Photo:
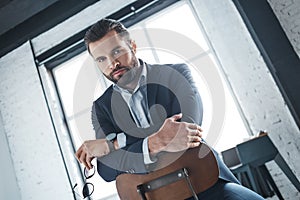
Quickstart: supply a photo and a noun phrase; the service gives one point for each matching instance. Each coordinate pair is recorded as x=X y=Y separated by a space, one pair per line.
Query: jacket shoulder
x=106 y=96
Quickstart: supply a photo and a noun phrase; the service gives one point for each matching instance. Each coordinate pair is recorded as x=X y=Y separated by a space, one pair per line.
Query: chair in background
x=248 y=176
x=231 y=159
x=247 y=161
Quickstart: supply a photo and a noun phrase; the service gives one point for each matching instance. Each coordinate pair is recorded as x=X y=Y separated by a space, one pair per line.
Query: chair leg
x=287 y=170
x=263 y=182
x=239 y=176
x=269 y=178
x=252 y=178
x=245 y=180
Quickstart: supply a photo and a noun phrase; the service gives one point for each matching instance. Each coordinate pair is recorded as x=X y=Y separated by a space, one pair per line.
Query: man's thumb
x=176 y=117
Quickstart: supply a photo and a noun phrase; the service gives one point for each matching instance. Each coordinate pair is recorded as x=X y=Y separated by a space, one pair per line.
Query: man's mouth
x=119 y=72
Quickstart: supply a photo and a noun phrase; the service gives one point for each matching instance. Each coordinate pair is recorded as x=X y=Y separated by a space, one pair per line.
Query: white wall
x=252 y=83
x=33 y=146
x=9 y=188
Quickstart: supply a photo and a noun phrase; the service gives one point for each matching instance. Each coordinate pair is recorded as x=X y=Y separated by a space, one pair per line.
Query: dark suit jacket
x=170 y=90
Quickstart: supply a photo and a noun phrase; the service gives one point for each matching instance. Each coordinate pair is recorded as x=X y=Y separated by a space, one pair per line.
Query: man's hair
x=101 y=28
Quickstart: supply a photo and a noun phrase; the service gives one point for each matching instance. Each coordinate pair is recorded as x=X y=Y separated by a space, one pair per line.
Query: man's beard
x=127 y=77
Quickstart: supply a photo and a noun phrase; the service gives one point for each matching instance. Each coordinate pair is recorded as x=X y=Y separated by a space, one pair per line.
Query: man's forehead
x=107 y=43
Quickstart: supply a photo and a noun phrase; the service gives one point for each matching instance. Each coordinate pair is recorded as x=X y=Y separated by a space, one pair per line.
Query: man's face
x=115 y=57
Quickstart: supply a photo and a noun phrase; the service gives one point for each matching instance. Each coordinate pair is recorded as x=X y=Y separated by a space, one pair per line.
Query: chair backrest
x=256 y=149
x=200 y=163
x=230 y=157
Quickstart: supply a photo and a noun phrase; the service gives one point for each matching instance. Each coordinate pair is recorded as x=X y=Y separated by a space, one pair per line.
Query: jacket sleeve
x=128 y=159
x=181 y=83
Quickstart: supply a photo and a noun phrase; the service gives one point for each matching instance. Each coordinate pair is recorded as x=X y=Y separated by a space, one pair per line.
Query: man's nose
x=115 y=63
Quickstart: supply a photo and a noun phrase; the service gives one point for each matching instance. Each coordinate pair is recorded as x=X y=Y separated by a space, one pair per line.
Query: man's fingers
x=89 y=162
x=194 y=138
x=195 y=132
x=193 y=144
x=195 y=126
x=83 y=159
x=199 y=128
x=78 y=154
x=176 y=117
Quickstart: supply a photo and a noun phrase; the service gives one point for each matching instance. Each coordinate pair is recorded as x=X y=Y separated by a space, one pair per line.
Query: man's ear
x=133 y=46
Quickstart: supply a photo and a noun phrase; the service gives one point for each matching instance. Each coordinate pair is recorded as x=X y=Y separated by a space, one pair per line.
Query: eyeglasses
x=88 y=188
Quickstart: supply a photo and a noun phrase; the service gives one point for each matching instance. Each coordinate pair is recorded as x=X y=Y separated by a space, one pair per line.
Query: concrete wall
x=252 y=83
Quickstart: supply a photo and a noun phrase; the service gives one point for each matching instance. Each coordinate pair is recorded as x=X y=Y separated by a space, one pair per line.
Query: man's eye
x=117 y=51
x=101 y=59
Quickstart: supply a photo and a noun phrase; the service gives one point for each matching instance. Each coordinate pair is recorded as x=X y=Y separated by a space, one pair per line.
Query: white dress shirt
x=137 y=102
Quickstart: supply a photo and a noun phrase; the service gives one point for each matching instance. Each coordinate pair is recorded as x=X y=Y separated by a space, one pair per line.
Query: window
x=80 y=82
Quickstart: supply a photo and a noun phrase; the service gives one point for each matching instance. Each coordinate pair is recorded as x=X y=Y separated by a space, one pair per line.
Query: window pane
x=79 y=83
x=179 y=18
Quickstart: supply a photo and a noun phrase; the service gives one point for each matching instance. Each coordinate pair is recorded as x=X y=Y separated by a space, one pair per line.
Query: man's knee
x=233 y=191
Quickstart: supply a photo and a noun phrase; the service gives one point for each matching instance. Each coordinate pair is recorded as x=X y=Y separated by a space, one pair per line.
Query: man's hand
x=91 y=149
x=175 y=136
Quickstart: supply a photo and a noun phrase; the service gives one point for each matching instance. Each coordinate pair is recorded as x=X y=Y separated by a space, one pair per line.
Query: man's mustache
x=119 y=68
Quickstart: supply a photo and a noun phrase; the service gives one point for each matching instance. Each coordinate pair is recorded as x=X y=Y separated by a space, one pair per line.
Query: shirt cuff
x=147 y=158
x=121 y=138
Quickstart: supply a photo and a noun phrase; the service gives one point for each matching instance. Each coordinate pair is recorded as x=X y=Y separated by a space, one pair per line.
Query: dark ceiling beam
x=41 y=22
x=4 y=3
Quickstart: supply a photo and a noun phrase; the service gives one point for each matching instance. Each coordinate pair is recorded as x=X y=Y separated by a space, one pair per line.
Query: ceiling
x=24 y=19
x=14 y=12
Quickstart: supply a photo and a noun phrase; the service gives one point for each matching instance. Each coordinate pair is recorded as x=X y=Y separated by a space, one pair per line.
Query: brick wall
x=288 y=14
x=36 y=168
x=253 y=85
x=36 y=158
